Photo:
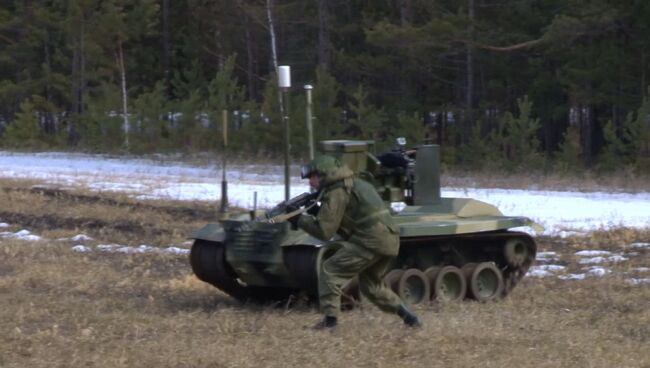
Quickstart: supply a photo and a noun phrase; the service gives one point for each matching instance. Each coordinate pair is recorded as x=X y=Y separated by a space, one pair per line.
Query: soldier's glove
x=313 y=210
x=294 y=222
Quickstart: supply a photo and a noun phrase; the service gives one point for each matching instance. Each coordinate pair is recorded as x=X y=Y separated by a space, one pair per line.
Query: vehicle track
x=48 y=222
x=63 y=195
x=103 y=217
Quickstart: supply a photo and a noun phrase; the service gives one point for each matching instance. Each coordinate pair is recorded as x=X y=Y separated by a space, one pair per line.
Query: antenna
x=308 y=118
x=284 y=83
x=223 y=210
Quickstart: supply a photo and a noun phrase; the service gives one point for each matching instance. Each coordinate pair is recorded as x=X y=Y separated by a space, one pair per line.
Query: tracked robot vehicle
x=450 y=248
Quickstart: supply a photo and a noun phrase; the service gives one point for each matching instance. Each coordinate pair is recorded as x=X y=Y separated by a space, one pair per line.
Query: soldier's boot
x=327 y=323
x=409 y=318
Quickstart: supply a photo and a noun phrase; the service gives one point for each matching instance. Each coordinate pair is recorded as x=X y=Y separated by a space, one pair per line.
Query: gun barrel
x=297 y=201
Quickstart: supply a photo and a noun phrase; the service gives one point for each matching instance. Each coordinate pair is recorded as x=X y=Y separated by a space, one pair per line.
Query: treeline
x=555 y=84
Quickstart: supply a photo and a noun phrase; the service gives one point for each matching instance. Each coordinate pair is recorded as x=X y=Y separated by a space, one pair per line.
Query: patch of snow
x=637 y=281
x=544 y=270
x=176 y=250
x=593 y=271
x=592 y=253
x=617 y=258
x=592 y=260
x=614 y=258
x=77 y=238
x=539 y=273
x=116 y=187
x=573 y=276
x=641 y=269
x=4 y=224
x=107 y=247
x=22 y=232
x=546 y=256
x=81 y=249
x=565 y=234
x=141 y=249
x=639 y=245
x=30 y=237
x=20 y=235
x=598 y=271
x=81 y=237
x=553 y=268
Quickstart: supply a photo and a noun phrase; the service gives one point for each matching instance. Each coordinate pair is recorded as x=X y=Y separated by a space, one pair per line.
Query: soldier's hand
x=294 y=222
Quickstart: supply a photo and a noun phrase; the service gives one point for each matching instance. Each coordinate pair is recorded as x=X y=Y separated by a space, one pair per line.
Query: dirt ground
x=61 y=308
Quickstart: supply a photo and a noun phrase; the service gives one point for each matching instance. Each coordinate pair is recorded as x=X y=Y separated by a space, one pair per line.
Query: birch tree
x=125 y=22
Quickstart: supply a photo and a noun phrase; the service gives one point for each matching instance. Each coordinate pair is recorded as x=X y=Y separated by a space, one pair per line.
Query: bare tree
x=166 y=38
x=405 y=11
x=250 y=58
x=78 y=74
x=323 y=34
x=469 y=74
x=269 y=16
x=125 y=112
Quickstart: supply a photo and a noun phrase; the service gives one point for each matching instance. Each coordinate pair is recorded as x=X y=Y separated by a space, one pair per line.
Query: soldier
x=352 y=208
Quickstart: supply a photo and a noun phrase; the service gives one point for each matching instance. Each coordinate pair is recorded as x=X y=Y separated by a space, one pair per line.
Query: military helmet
x=321 y=165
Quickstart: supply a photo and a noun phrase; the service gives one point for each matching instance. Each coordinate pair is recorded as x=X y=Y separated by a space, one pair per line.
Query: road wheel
x=413 y=287
x=392 y=279
x=516 y=251
x=468 y=269
x=485 y=282
x=448 y=284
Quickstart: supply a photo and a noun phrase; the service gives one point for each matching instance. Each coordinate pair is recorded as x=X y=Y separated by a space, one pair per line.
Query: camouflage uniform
x=351 y=208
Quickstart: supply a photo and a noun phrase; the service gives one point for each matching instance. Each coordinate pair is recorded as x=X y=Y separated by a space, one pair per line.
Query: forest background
x=555 y=85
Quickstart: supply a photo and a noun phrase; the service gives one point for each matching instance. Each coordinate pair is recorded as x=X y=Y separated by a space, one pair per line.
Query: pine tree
x=327 y=116
x=151 y=127
x=24 y=132
x=411 y=128
x=520 y=143
x=367 y=120
x=635 y=137
x=271 y=126
x=100 y=127
x=568 y=157
x=224 y=93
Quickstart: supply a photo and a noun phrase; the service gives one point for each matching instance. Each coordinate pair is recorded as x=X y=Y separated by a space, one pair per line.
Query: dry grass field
x=60 y=308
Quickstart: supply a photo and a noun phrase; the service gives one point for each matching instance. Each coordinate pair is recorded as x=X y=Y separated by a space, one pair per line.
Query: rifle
x=291 y=207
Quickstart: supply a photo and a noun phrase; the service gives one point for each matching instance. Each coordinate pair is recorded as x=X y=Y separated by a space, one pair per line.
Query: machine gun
x=291 y=207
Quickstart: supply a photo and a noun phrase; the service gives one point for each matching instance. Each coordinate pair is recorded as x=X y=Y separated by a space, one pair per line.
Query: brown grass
x=54 y=213
x=65 y=309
